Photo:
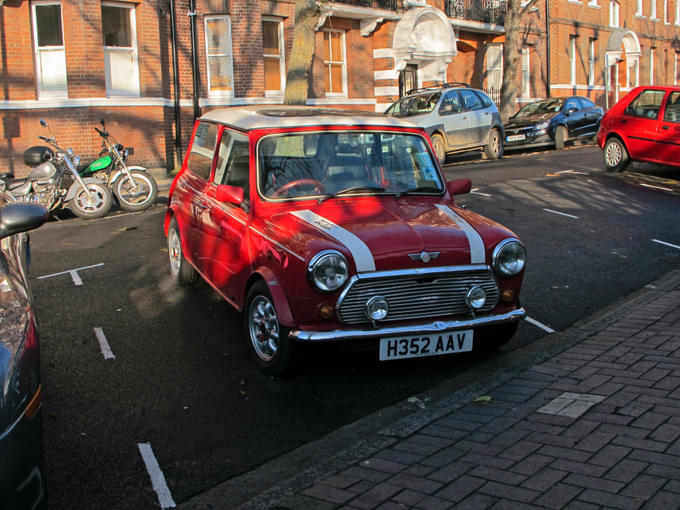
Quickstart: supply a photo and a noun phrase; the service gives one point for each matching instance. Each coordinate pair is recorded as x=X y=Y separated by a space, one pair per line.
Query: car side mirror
x=459 y=186
x=570 y=111
x=17 y=217
x=229 y=194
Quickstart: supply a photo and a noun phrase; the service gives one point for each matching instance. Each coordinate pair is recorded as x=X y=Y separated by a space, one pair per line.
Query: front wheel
x=560 y=137
x=272 y=349
x=136 y=192
x=494 y=147
x=93 y=205
x=615 y=155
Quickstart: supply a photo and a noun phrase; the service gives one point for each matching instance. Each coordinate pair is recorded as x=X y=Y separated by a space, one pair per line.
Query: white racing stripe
x=477 y=251
x=363 y=258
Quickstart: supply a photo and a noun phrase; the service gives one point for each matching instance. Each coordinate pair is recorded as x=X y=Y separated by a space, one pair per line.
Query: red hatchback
x=325 y=225
x=643 y=126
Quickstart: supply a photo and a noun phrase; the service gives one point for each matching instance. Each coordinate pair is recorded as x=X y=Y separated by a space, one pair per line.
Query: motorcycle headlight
x=328 y=270
x=509 y=257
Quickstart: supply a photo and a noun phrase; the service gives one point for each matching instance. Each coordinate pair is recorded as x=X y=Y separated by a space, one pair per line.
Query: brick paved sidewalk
x=595 y=426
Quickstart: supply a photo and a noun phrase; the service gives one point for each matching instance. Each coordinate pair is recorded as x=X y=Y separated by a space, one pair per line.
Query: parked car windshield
x=338 y=162
x=414 y=105
x=541 y=108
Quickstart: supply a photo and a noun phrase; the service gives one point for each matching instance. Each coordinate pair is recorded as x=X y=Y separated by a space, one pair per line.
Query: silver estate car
x=457 y=118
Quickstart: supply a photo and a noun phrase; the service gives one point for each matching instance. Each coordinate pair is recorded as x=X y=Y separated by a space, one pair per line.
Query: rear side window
x=586 y=103
x=471 y=100
x=486 y=102
x=672 y=113
x=202 y=150
x=646 y=105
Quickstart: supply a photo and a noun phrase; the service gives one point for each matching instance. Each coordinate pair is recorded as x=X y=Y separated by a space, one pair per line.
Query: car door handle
x=624 y=121
x=665 y=127
x=203 y=205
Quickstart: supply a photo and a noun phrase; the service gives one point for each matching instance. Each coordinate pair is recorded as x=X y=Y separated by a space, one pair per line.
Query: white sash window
x=48 y=44
x=120 y=49
x=219 y=56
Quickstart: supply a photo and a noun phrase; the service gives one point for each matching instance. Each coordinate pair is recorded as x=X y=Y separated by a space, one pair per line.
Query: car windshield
x=541 y=108
x=414 y=105
x=332 y=163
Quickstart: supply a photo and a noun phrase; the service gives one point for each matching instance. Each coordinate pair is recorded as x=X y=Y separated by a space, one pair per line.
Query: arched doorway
x=622 y=64
x=423 y=45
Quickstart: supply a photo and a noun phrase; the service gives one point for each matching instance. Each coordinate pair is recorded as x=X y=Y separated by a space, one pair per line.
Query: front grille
x=417 y=295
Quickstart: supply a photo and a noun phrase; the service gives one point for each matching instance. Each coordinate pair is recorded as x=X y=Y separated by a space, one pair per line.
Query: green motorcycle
x=134 y=187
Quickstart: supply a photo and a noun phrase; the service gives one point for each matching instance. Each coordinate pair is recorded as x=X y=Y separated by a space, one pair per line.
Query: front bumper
x=415 y=329
x=530 y=140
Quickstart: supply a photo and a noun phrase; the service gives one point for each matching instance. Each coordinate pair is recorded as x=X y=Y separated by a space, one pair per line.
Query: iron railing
x=374 y=4
x=487 y=11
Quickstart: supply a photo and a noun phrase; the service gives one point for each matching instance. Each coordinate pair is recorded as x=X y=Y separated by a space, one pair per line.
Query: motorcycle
x=134 y=188
x=54 y=181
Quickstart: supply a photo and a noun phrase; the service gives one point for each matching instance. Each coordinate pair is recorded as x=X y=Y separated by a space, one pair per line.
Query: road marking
x=157 y=478
x=104 y=344
x=656 y=187
x=561 y=213
x=666 y=244
x=74 y=274
x=573 y=172
x=477 y=192
x=539 y=325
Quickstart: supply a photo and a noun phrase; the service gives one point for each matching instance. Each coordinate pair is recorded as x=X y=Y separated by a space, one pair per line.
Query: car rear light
x=34 y=405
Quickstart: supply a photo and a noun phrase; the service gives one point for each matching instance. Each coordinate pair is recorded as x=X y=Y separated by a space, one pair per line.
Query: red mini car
x=643 y=126
x=332 y=225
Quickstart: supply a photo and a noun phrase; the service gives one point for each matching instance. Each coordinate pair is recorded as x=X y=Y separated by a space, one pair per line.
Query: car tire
x=439 y=147
x=494 y=147
x=180 y=268
x=491 y=338
x=614 y=155
x=268 y=341
x=560 y=137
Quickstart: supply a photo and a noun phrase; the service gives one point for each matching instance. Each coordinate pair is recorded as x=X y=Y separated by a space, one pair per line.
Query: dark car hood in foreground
x=382 y=233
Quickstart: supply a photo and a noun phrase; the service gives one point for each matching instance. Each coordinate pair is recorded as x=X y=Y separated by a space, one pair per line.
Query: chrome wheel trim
x=174 y=251
x=127 y=192
x=93 y=203
x=613 y=154
x=495 y=142
x=263 y=326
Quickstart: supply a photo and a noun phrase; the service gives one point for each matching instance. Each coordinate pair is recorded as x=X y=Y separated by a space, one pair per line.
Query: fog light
x=475 y=297
x=326 y=311
x=508 y=296
x=377 y=308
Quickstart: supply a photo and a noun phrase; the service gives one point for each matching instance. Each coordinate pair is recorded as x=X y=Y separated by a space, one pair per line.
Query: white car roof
x=265 y=117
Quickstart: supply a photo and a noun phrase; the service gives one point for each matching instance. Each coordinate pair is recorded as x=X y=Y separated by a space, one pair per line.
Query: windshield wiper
x=419 y=189
x=351 y=189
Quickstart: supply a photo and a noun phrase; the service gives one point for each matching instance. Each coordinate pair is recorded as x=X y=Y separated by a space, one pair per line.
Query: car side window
x=572 y=104
x=471 y=100
x=233 y=162
x=672 y=113
x=646 y=105
x=450 y=103
x=202 y=150
x=586 y=103
x=486 y=101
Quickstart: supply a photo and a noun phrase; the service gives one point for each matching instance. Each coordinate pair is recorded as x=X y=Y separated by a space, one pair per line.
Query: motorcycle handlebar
x=103 y=134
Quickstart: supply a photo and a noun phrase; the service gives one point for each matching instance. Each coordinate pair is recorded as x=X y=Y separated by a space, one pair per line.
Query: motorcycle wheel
x=98 y=204
x=141 y=198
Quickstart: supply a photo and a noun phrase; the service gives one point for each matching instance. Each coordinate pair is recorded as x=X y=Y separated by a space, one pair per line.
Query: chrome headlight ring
x=509 y=258
x=328 y=270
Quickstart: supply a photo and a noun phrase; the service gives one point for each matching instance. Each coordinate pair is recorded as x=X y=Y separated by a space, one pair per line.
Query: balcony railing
x=487 y=11
x=374 y=4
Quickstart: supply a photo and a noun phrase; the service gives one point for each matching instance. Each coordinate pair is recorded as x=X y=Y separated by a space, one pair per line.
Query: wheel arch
x=283 y=309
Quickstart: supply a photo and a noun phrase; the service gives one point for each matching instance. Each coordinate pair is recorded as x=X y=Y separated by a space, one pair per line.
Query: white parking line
x=103 y=344
x=477 y=192
x=157 y=477
x=561 y=213
x=656 y=187
x=666 y=244
x=539 y=325
x=74 y=274
x=574 y=172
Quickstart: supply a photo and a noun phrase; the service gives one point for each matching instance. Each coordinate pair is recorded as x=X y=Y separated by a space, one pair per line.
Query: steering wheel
x=318 y=186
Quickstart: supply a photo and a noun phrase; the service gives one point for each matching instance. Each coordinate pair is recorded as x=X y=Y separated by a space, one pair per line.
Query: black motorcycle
x=54 y=182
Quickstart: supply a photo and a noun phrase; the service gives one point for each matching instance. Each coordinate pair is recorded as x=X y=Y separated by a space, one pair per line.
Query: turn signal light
x=508 y=296
x=326 y=311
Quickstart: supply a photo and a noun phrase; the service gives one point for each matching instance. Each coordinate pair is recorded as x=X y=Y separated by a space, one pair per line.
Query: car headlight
x=509 y=257
x=328 y=270
x=543 y=125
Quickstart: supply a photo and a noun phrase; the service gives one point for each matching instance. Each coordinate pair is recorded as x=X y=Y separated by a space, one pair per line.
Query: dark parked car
x=553 y=122
x=22 y=473
x=643 y=126
x=457 y=117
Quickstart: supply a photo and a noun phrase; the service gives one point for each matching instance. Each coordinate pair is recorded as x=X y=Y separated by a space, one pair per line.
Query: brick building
x=73 y=63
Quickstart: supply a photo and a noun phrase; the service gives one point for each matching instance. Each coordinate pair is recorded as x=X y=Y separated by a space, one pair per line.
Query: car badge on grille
x=424 y=256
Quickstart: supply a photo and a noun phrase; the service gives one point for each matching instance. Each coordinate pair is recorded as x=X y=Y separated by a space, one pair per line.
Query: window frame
x=614 y=13
x=572 y=59
x=329 y=63
x=60 y=92
x=526 y=71
x=591 y=61
x=230 y=54
x=135 y=90
x=281 y=57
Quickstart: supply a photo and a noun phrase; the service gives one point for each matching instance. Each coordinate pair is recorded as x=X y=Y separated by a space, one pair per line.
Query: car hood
x=388 y=233
x=530 y=120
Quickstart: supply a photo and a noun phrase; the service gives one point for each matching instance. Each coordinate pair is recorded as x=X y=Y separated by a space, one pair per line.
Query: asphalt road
x=177 y=379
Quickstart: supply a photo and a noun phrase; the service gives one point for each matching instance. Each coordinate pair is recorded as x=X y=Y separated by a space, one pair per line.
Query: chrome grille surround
x=417 y=293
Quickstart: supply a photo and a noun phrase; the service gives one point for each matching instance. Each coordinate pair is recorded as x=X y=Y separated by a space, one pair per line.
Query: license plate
x=402 y=347
x=515 y=138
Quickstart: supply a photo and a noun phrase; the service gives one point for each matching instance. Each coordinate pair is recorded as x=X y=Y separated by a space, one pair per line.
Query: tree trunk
x=302 y=54
x=511 y=55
